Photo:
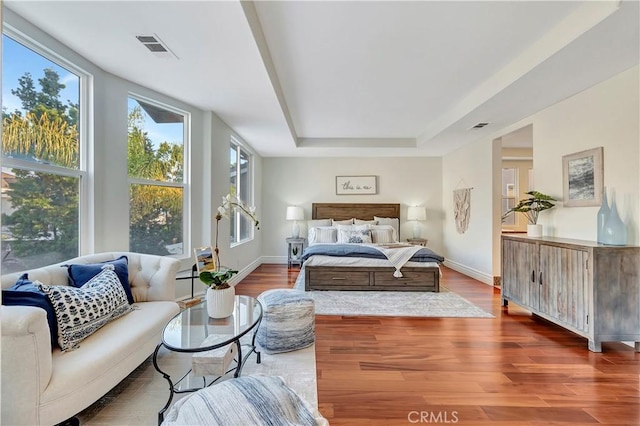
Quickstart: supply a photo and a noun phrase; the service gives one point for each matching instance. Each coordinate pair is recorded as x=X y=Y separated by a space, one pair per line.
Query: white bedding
x=361 y=261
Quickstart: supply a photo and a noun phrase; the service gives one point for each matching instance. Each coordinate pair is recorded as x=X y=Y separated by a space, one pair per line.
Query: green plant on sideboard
x=532 y=206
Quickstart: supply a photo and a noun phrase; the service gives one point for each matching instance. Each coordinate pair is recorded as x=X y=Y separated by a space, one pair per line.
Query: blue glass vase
x=603 y=214
x=614 y=230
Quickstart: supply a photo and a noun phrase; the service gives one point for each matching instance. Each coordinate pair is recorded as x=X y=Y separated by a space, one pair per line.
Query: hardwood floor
x=512 y=370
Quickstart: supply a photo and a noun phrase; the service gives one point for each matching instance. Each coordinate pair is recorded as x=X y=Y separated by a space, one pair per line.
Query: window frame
x=185 y=185
x=240 y=147
x=84 y=172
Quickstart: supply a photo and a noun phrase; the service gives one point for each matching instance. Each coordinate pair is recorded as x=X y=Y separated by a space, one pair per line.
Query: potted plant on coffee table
x=220 y=296
x=531 y=208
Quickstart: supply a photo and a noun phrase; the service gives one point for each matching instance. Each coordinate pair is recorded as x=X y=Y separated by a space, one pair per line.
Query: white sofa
x=41 y=387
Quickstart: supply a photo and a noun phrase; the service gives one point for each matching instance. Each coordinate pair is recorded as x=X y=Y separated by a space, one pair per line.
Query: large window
x=240 y=181
x=158 y=191
x=42 y=156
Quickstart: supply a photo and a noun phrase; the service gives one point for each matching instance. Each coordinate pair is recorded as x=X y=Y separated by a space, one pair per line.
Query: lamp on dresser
x=416 y=214
x=295 y=214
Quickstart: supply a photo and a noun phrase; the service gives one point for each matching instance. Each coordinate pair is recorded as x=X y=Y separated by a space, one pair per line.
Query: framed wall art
x=583 y=178
x=347 y=185
x=204 y=259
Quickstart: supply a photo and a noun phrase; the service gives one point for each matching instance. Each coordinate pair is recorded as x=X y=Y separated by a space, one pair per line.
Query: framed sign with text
x=357 y=185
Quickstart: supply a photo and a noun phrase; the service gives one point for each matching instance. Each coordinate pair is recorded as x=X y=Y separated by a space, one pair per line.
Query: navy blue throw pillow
x=26 y=293
x=80 y=274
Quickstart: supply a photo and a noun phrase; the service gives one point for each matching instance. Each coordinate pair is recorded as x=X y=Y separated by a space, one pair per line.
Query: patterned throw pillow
x=80 y=274
x=82 y=311
x=360 y=236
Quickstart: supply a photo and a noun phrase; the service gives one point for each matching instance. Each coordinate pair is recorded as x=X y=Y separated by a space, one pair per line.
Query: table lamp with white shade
x=295 y=214
x=416 y=214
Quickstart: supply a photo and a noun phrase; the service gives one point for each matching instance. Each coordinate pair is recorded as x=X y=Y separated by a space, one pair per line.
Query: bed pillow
x=364 y=222
x=341 y=222
x=352 y=227
x=391 y=221
x=80 y=274
x=82 y=311
x=26 y=293
x=323 y=235
x=381 y=231
x=318 y=222
x=360 y=236
x=382 y=235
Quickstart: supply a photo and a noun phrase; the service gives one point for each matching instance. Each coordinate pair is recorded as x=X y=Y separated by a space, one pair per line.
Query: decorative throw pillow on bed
x=382 y=235
x=360 y=236
x=394 y=231
x=392 y=221
x=323 y=235
x=82 y=311
x=80 y=274
x=26 y=293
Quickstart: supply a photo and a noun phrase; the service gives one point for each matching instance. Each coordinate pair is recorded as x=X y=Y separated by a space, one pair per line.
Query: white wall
x=246 y=254
x=303 y=181
x=605 y=115
x=472 y=166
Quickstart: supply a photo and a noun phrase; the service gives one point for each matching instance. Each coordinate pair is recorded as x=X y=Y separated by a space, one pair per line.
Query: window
x=509 y=192
x=157 y=183
x=240 y=185
x=43 y=170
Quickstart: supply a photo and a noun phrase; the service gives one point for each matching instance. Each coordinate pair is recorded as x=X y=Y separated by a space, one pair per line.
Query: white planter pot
x=220 y=303
x=534 y=230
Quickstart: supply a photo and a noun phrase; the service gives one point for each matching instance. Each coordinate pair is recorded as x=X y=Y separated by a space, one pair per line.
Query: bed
x=371 y=272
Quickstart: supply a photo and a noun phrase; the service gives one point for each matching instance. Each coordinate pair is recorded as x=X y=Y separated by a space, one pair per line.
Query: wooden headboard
x=363 y=211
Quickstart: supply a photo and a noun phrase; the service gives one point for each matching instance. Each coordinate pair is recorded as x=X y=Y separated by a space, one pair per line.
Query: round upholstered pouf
x=288 y=320
x=254 y=401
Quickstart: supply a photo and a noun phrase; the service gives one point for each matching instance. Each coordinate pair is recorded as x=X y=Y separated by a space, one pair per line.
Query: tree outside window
x=240 y=185
x=41 y=170
x=156 y=175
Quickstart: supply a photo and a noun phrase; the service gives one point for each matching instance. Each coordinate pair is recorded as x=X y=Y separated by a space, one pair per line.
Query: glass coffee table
x=192 y=330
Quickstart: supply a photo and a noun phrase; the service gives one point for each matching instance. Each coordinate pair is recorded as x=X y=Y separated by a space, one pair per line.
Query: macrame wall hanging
x=462 y=208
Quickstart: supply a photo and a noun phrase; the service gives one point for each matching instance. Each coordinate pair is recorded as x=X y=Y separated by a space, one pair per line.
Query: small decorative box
x=214 y=362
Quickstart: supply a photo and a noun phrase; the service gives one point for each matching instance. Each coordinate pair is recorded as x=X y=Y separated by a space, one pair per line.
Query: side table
x=295 y=246
x=418 y=241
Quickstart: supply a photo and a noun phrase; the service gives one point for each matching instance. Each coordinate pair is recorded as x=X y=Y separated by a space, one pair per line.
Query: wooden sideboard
x=588 y=288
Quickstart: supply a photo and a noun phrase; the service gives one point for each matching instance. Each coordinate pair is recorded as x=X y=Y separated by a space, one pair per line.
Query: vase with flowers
x=220 y=295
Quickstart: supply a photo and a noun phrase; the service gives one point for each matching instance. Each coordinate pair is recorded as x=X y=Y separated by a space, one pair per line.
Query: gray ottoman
x=288 y=320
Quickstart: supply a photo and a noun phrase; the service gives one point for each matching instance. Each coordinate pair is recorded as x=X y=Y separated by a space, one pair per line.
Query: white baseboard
x=470 y=272
x=244 y=272
x=279 y=260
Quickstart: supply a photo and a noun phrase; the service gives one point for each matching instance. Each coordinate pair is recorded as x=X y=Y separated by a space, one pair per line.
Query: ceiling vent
x=156 y=46
x=480 y=125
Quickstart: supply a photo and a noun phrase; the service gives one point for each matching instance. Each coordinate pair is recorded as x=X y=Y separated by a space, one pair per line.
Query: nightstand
x=418 y=241
x=294 y=251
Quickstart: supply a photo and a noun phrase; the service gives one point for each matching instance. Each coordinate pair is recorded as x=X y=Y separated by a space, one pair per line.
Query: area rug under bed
x=392 y=303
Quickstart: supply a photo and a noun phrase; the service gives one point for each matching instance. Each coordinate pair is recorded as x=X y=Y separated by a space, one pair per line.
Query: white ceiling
x=387 y=78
